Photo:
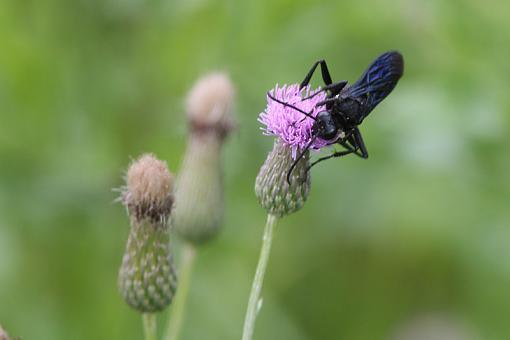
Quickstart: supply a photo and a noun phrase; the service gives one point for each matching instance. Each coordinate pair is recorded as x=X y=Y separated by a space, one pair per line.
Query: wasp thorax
x=350 y=110
x=325 y=126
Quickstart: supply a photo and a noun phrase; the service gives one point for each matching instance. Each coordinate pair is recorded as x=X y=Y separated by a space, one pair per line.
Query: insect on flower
x=345 y=107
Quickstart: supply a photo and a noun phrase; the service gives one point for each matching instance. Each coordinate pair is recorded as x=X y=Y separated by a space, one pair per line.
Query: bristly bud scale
x=147 y=280
x=271 y=187
x=199 y=194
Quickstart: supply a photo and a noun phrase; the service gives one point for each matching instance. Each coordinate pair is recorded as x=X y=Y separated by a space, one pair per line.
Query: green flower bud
x=200 y=204
x=199 y=194
x=271 y=187
x=147 y=279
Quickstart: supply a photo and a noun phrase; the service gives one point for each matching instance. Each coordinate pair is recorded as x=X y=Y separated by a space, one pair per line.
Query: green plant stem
x=149 y=326
x=255 y=302
x=177 y=312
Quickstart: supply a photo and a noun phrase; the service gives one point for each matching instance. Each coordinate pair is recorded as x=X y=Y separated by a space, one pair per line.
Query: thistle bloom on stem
x=293 y=131
x=199 y=211
x=147 y=280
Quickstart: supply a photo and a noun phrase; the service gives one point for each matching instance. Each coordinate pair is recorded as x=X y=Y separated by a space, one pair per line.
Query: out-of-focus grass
x=421 y=227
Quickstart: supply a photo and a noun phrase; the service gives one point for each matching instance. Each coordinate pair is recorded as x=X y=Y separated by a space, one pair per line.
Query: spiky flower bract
x=274 y=193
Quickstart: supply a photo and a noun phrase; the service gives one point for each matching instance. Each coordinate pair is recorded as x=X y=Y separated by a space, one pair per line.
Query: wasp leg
x=334 y=89
x=349 y=150
x=326 y=102
x=357 y=142
x=353 y=144
x=336 y=154
x=298 y=158
x=324 y=70
x=308 y=114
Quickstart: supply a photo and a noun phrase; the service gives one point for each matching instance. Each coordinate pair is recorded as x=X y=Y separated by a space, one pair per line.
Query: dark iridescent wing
x=378 y=80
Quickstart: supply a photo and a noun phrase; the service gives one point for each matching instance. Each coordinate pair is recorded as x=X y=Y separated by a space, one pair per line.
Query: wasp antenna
x=290 y=105
x=298 y=158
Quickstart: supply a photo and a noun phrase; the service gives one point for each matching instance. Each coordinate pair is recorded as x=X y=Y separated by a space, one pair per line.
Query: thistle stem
x=177 y=312
x=255 y=302
x=149 y=326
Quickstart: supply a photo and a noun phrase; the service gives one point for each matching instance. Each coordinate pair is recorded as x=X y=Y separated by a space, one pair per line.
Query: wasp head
x=325 y=127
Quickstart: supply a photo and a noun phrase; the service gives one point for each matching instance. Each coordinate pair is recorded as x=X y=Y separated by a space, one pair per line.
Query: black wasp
x=347 y=106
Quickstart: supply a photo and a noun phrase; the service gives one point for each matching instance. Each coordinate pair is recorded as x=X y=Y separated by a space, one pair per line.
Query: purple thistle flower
x=290 y=125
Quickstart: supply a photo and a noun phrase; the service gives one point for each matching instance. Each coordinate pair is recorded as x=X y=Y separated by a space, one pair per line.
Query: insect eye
x=330 y=131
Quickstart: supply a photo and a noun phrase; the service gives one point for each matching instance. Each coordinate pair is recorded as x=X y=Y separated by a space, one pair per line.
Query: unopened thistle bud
x=147 y=280
x=294 y=132
x=199 y=194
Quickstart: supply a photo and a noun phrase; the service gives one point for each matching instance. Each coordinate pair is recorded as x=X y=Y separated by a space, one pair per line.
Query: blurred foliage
x=420 y=227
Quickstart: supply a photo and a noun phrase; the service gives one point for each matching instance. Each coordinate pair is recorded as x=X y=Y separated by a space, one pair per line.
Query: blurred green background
x=421 y=228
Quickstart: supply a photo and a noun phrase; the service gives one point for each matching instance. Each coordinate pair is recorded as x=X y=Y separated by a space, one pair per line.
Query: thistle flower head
x=149 y=188
x=147 y=280
x=291 y=126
